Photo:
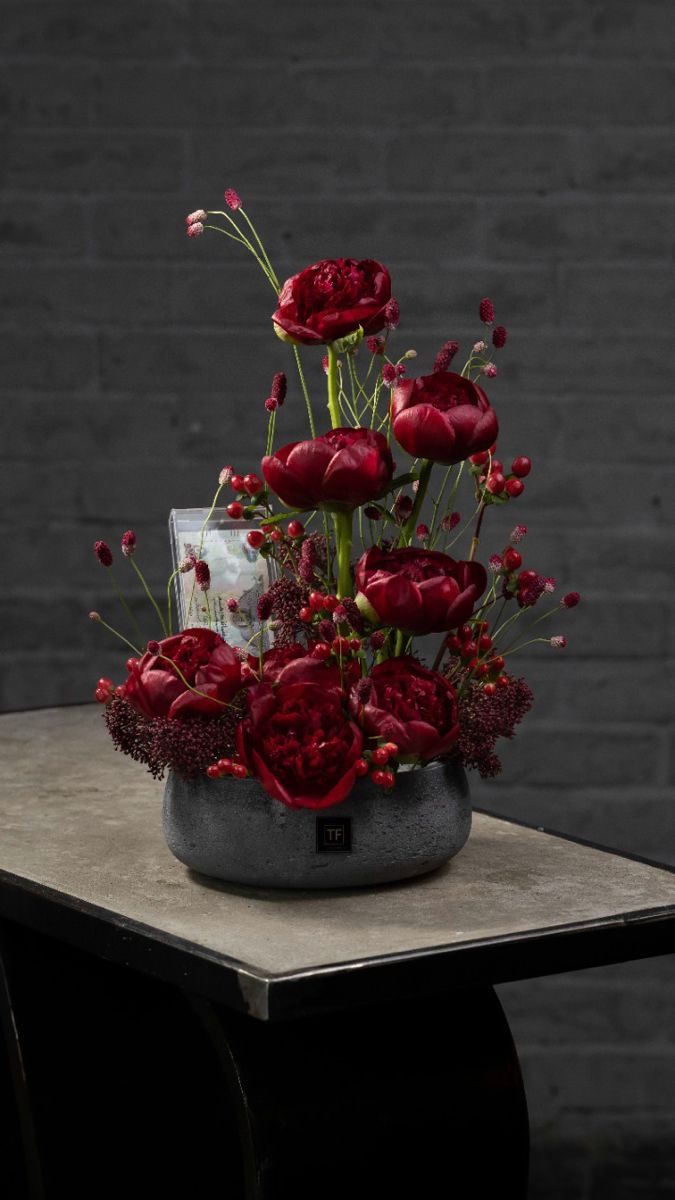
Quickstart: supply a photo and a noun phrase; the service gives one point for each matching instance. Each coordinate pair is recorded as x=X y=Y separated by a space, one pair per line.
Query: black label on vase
x=333 y=834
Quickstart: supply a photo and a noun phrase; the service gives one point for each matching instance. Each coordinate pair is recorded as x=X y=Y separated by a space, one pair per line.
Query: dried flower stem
x=119 y=635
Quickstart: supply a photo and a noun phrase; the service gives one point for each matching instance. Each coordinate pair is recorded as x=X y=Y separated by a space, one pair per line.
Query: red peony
x=287 y=664
x=203 y=658
x=408 y=705
x=419 y=591
x=331 y=299
x=443 y=417
x=299 y=743
x=338 y=471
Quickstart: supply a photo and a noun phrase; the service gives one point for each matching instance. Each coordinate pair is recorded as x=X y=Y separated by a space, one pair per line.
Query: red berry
x=237 y=483
x=120 y=691
x=479 y=460
x=453 y=642
x=296 y=529
x=255 y=538
x=316 y=600
x=361 y=766
x=485 y=641
x=389 y=780
x=341 y=646
x=276 y=535
x=380 y=756
x=526 y=577
x=330 y=603
x=322 y=650
x=235 y=510
x=466 y=631
x=253 y=484
x=239 y=771
x=496 y=466
x=472 y=664
x=469 y=649
x=131 y=663
x=225 y=766
x=480 y=626
x=105 y=683
x=493 y=448
x=482 y=670
x=521 y=466
x=378 y=778
x=514 y=487
x=102 y=695
x=305 y=614
x=496 y=483
x=512 y=559
x=213 y=771
x=490 y=689
x=355 y=644
x=392 y=748
x=503 y=681
x=496 y=664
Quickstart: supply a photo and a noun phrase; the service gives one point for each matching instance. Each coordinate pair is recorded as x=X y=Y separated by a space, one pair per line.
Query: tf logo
x=333 y=834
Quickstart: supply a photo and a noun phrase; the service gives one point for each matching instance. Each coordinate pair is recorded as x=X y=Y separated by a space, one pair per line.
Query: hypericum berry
x=379 y=778
x=131 y=663
x=106 y=683
x=388 y=780
x=102 y=695
x=496 y=483
x=341 y=646
x=496 y=663
x=490 y=689
x=512 y=559
x=276 y=535
x=235 y=510
x=213 y=771
x=469 y=649
x=479 y=460
x=487 y=311
x=237 y=483
x=496 y=465
x=355 y=644
x=372 y=513
x=330 y=603
x=392 y=748
x=225 y=766
x=485 y=641
x=316 y=600
x=503 y=681
x=527 y=577
x=233 y=604
x=481 y=671
x=514 y=487
x=255 y=538
x=321 y=651
x=232 y=199
x=253 y=484
x=120 y=691
x=103 y=553
x=361 y=766
x=499 y=336
x=239 y=771
x=521 y=466
x=380 y=756
x=305 y=614
x=454 y=643
x=296 y=529
x=466 y=632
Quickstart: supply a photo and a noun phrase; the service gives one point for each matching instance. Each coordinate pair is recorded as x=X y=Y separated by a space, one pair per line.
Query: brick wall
x=520 y=150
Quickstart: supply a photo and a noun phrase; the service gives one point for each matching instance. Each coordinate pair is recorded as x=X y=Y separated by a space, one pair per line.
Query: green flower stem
x=303 y=385
x=398 y=648
x=169 y=618
x=411 y=524
x=149 y=594
x=263 y=251
x=100 y=621
x=343 y=531
x=174 y=666
x=125 y=606
x=333 y=402
x=476 y=536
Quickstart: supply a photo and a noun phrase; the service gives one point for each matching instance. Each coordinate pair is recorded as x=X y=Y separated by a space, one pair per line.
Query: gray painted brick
x=492 y=162
x=84 y=161
x=33 y=225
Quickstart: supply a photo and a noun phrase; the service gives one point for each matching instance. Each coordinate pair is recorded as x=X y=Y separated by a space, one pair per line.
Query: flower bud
x=232 y=199
x=128 y=543
x=487 y=311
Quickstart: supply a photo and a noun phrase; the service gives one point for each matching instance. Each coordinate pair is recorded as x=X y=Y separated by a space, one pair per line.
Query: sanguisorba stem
x=333 y=402
x=343 y=531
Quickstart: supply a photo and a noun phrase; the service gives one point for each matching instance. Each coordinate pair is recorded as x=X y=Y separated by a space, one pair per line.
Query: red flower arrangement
x=342 y=693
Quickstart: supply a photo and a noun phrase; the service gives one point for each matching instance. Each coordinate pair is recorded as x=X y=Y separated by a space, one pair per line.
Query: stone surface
x=232 y=830
x=81 y=819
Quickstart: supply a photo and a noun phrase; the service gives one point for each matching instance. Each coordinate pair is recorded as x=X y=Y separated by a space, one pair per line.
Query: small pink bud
x=153 y=647
x=422 y=532
x=128 y=543
x=187 y=564
x=375 y=345
x=479 y=347
x=489 y=370
x=549 y=584
x=389 y=375
x=195 y=230
x=94 y=616
x=103 y=553
x=232 y=199
x=233 y=604
x=558 y=642
x=570 y=600
x=410 y=354
x=225 y=476
x=495 y=562
x=324 y=363
x=199 y=214
x=271 y=404
x=392 y=313
x=487 y=311
x=517 y=534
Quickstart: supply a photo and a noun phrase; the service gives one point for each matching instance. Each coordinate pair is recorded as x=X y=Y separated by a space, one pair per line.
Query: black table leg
x=134 y=1088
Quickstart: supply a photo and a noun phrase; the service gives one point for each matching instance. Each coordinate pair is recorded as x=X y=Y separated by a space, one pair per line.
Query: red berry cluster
x=321 y=611
x=473 y=646
x=106 y=691
x=496 y=483
x=247 y=489
x=377 y=763
x=226 y=766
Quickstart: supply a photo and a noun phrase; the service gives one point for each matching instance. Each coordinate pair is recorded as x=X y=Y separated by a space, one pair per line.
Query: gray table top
x=80 y=834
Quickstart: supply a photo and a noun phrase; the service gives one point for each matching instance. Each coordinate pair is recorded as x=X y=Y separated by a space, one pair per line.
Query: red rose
x=338 y=471
x=408 y=705
x=443 y=417
x=419 y=591
x=204 y=659
x=298 y=742
x=331 y=299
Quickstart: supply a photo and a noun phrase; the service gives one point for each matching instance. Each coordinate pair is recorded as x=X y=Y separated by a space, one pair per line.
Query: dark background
x=522 y=151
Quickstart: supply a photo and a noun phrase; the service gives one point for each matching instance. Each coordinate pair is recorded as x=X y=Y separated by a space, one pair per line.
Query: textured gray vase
x=232 y=830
